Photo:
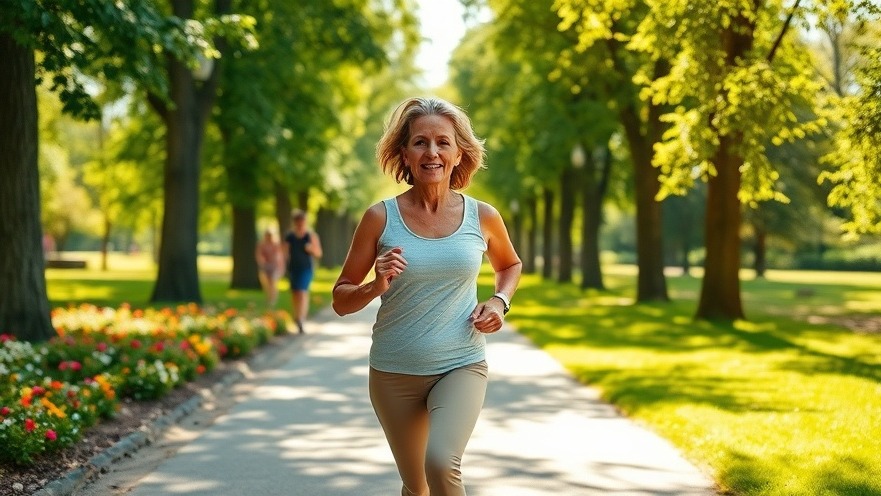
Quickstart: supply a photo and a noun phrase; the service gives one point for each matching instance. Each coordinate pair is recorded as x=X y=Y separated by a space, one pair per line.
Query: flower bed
x=51 y=392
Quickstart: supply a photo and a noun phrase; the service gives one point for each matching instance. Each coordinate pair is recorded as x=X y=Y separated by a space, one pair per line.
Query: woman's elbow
x=338 y=309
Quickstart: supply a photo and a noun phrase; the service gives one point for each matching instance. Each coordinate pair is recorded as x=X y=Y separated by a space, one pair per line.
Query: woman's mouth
x=432 y=166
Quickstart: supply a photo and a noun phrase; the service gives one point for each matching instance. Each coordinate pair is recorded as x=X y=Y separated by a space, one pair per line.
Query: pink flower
x=51 y=435
x=75 y=366
x=62 y=366
x=37 y=390
x=102 y=347
x=29 y=425
x=6 y=337
x=4 y=411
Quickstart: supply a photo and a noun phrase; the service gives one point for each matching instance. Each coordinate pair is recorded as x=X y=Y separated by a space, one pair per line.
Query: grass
x=776 y=405
x=130 y=279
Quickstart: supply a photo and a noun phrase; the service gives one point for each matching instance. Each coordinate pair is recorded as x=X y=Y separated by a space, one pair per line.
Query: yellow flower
x=54 y=410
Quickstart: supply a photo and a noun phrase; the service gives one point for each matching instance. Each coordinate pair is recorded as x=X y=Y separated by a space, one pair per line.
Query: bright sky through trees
x=442 y=27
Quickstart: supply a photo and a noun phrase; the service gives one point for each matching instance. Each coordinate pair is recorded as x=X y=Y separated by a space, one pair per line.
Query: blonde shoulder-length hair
x=389 y=150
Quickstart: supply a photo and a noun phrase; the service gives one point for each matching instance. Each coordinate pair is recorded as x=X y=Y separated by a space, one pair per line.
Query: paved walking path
x=309 y=429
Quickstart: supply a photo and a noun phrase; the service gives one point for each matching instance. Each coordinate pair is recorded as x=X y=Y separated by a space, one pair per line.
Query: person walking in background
x=428 y=373
x=301 y=247
x=270 y=260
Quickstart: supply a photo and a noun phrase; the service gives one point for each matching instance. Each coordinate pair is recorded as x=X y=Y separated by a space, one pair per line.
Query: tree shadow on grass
x=842 y=476
x=634 y=389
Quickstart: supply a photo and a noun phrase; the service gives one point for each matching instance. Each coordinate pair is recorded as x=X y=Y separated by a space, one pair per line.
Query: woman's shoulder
x=485 y=210
x=374 y=217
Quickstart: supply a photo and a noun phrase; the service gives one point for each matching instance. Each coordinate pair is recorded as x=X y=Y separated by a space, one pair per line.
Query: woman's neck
x=432 y=198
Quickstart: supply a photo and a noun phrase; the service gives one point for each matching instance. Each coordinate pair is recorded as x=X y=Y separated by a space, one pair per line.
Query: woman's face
x=431 y=151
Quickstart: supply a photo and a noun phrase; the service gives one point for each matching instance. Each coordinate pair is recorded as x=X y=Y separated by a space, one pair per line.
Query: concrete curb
x=76 y=479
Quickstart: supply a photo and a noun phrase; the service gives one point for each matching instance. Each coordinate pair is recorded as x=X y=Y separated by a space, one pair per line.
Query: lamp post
x=204 y=68
x=577 y=156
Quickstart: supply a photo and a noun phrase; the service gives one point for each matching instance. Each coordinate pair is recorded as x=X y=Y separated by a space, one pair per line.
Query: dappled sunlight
x=309 y=428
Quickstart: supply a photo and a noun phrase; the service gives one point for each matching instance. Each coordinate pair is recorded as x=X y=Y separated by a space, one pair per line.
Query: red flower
x=159 y=346
x=75 y=366
x=29 y=425
x=62 y=366
x=6 y=337
x=102 y=347
x=51 y=435
x=135 y=344
x=4 y=411
x=37 y=390
x=57 y=385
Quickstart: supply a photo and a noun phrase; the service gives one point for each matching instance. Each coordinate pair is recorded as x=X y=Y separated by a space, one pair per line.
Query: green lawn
x=130 y=280
x=787 y=403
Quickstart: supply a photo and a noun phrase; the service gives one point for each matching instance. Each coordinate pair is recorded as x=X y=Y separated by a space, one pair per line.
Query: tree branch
x=779 y=40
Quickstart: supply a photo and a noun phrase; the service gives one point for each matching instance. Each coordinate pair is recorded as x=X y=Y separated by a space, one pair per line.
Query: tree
x=190 y=105
x=74 y=38
x=733 y=88
x=282 y=130
x=601 y=31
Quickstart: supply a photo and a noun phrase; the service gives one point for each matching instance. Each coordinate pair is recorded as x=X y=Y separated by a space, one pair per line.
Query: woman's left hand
x=488 y=317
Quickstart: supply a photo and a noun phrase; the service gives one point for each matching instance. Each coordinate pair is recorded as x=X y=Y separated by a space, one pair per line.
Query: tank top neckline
x=457 y=231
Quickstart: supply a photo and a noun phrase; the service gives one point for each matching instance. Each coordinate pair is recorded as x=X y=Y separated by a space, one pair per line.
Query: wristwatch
x=505 y=300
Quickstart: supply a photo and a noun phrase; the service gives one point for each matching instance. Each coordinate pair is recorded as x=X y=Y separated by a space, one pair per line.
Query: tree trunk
x=24 y=305
x=516 y=229
x=568 y=190
x=105 y=241
x=244 y=244
x=283 y=207
x=720 y=289
x=303 y=200
x=592 y=196
x=547 y=266
x=529 y=266
x=178 y=275
x=651 y=283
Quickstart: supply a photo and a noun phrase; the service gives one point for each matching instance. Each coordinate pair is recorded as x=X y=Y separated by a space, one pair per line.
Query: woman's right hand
x=388 y=266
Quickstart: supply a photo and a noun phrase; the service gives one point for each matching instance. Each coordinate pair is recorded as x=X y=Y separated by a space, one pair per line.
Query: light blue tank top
x=423 y=325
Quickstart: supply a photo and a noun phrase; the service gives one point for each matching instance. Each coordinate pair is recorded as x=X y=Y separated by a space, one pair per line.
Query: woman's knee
x=443 y=470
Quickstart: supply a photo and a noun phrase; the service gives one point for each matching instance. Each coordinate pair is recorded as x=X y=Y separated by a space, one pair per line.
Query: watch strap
x=505 y=300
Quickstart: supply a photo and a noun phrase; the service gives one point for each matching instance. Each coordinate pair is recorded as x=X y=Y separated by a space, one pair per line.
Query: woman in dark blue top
x=301 y=246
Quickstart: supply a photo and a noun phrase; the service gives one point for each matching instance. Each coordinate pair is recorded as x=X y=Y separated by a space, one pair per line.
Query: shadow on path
x=309 y=429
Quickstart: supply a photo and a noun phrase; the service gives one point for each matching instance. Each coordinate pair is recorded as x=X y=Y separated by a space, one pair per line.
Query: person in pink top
x=270 y=260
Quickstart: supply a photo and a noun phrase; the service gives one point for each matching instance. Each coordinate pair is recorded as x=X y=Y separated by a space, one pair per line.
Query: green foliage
x=711 y=97
x=856 y=178
x=280 y=124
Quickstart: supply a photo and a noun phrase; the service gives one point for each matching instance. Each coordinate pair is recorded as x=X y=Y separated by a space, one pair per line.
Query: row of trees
x=725 y=96
x=258 y=91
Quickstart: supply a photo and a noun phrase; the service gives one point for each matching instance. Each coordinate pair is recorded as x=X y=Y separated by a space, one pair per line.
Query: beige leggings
x=427 y=421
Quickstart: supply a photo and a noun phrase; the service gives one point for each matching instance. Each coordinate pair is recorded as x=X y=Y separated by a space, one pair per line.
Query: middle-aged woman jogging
x=428 y=372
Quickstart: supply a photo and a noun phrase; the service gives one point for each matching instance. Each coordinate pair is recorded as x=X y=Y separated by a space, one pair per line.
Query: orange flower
x=53 y=409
